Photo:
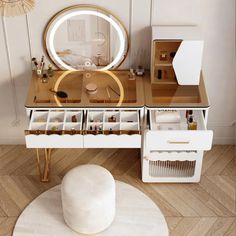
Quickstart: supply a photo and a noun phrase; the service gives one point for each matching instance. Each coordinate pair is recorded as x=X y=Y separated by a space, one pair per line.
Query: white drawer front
x=54 y=141
x=179 y=140
x=112 y=141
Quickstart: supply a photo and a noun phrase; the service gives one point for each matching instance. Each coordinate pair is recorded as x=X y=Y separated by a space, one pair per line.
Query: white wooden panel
x=179 y=140
x=140 y=33
x=188 y=32
x=181 y=12
x=7 y=112
x=45 y=9
x=54 y=141
x=187 y=62
x=112 y=141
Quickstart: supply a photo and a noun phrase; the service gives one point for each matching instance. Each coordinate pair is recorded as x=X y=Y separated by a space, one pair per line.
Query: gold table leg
x=44 y=172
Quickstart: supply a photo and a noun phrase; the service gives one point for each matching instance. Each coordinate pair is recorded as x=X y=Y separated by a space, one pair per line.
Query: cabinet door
x=187 y=62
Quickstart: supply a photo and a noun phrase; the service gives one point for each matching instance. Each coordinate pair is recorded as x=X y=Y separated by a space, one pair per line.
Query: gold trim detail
x=112 y=75
x=44 y=172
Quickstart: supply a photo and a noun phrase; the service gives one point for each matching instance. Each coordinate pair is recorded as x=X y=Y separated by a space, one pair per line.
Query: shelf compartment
x=37 y=126
x=70 y=114
x=72 y=126
x=95 y=116
x=165 y=50
x=39 y=116
x=129 y=116
x=109 y=114
x=182 y=125
x=56 y=116
x=164 y=75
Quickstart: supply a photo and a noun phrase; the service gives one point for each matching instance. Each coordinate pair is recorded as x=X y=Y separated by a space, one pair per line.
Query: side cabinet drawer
x=176 y=136
x=179 y=140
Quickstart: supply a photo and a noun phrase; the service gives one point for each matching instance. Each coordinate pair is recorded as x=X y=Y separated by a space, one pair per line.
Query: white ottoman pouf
x=88 y=199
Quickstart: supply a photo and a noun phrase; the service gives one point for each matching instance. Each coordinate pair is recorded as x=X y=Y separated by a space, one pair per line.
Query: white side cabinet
x=171 y=153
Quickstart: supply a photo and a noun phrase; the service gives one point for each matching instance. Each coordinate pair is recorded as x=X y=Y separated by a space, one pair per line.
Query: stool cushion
x=88 y=199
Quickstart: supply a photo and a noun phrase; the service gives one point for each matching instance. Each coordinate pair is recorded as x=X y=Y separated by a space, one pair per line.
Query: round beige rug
x=136 y=215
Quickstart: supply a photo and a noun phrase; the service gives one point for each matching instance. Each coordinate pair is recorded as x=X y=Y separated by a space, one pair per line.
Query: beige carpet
x=136 y=215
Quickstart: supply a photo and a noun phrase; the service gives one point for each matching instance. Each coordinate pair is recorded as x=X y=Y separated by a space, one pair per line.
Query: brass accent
x=44 y=172
x=178 y=142
x=112 y=75
x=82 y=6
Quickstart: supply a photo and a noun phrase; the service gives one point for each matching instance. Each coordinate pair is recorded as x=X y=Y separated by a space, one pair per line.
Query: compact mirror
x=86 y=37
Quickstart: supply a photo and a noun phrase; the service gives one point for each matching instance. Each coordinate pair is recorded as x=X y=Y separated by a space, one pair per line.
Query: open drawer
x=55 y=129
x=176 y=136
x=112 y=129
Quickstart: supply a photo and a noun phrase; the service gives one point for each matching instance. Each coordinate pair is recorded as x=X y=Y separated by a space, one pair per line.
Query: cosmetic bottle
x=73 y=118
x=192 y=125
x=189 y=113
x=159 y=74
x=131 y=74
x=50 y=71
x=140 y=71
x=45 y=78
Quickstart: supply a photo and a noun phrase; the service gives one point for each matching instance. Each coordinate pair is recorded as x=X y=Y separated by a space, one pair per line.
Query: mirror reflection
x=92 y=39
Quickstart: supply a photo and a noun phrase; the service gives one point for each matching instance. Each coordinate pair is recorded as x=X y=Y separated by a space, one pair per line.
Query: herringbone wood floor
x=207 y=208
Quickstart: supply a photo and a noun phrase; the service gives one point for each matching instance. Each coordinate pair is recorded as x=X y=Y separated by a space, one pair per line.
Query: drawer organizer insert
x=96 y=122
x=112 y=122
x=181 y=125
x=56 y=122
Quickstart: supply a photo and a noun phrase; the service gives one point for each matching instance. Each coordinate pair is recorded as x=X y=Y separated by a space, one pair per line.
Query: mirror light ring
x=87 y=12
x=112 y=75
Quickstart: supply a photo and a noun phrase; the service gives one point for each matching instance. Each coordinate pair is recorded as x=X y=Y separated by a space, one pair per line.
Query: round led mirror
x=86 y=37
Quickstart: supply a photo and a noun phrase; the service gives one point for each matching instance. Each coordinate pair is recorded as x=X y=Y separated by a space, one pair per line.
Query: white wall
x=216 y=17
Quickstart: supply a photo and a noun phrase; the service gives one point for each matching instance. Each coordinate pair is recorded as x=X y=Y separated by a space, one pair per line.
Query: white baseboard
x=224 y=141
x=11 y=140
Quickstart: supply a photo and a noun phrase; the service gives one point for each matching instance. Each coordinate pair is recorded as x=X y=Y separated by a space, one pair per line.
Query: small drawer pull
x=178 y=142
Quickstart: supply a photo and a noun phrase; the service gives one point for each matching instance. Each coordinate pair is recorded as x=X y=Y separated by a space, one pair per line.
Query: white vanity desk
x=121 y=111
x=51 y=124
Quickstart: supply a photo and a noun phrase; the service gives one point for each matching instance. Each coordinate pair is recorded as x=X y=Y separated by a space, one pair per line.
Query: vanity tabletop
x=112 y=89
x=175 y=96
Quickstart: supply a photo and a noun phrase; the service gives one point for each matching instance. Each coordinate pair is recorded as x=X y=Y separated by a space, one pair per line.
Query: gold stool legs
x=44 y=172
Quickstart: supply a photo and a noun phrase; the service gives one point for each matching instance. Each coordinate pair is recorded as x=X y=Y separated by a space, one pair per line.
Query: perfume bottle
x=192 y=125
x=189 y=113
x=159 y=74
